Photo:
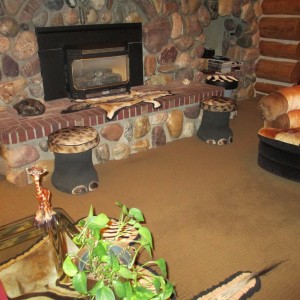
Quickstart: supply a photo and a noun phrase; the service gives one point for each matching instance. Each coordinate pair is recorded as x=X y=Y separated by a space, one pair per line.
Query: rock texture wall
x=174 y=42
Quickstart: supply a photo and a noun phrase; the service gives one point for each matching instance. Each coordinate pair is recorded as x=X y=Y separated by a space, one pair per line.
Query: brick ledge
x=15 y=129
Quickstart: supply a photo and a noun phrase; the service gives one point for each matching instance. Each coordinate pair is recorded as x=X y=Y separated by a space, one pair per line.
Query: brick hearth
x=15 y=129
x=23 y=140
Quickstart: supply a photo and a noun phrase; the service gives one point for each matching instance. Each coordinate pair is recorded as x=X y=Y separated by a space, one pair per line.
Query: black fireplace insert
x=87 y=61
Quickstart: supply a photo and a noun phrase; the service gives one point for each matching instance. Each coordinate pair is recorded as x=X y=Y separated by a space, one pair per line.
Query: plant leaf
x=81 y=222
x=99 y=221
x=147 y=248
x=114 y=262
x=98 y=285
x=80 y=282
x=118 y=203
x=99 y=250
x=157 y=284
x=137 y=214
x=89 y=220
x=128 y=289
x=169 y=290
x=162 y=265
x=69 y=267
x=124 y=209
x=76 y=240
x=96 y=234
x=89 y=242
x=91 y=211
x=146 y=235
x=105 y=293
x=105 y=258
x=143 y=293
x=119 y=288
x=125 y=273
x=137 y=225
x=132 y=222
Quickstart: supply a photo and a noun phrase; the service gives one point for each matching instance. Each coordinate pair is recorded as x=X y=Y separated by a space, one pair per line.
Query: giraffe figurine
x=44 y=213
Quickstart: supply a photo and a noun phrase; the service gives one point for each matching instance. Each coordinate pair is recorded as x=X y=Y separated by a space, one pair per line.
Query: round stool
x=214 y=128
x=228 y=82
x=74 y=171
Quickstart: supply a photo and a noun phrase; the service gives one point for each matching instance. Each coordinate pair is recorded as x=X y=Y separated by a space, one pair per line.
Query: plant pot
x=122 y=251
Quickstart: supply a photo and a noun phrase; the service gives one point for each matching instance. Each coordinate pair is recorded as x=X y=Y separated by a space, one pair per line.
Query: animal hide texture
x=33 y=275
x=113 y=104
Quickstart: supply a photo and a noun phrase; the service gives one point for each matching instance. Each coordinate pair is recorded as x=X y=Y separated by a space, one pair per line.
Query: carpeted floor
x=212 y=210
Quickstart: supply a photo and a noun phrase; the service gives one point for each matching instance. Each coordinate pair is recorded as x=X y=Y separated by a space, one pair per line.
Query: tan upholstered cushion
x=73 y=140
x=289 y=136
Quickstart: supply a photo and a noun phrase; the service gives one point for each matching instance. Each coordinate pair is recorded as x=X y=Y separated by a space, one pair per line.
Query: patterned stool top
x=73 y=140
x=219 y=104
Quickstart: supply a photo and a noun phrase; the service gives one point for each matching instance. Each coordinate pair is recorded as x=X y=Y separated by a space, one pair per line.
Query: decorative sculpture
x=44 y=213
x=30 y=107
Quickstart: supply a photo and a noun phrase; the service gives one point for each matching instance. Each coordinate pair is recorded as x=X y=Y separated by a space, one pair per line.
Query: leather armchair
x=279 y=139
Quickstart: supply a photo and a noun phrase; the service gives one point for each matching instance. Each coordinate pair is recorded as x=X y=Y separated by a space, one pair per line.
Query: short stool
x=74 y=171
x=228 y=82
x=216 y=113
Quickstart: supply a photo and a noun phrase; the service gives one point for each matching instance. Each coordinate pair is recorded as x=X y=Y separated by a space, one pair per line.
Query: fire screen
x=89 y=71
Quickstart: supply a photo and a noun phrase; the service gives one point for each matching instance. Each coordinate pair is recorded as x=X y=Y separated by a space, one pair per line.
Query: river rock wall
x=173 y=37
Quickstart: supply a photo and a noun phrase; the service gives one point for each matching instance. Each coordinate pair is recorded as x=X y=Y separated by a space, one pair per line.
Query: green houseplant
x=107 y=266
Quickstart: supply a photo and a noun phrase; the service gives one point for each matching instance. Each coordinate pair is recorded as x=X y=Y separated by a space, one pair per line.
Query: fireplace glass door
x=94 y=72
x=98 y=71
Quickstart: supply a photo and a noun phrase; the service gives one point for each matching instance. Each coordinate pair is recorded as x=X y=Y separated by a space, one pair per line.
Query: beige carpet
x=212 y=210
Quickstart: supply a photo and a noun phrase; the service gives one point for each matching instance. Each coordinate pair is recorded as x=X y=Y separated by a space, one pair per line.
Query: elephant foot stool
x=214 y=128
x=74 y=171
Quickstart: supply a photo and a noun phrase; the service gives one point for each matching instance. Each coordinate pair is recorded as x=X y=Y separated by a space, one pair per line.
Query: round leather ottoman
x=214 y=128
x=279 y=158
x=74 y=171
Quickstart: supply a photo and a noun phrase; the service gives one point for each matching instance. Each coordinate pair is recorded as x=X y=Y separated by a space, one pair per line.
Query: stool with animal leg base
x=74 y=171
x=216 y=114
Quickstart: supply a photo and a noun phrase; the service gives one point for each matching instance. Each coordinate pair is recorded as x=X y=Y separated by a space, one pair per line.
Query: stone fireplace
x=174 y=34
x=174 y=38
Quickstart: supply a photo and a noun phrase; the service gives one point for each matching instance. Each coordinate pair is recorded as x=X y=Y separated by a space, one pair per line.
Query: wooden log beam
x=281 y=7
x=280 y=28
x=276 y=49
x=288 y=72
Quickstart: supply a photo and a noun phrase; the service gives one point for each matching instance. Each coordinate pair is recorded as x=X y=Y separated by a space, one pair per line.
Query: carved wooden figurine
x=44 y=213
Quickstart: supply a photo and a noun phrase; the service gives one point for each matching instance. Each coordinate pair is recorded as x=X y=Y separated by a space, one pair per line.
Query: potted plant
x=106 y=265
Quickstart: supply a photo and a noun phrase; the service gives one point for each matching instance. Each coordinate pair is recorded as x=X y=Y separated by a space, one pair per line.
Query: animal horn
x=237 y=286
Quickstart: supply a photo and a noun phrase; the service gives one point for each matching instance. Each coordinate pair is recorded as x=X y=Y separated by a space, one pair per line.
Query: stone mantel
x=178 y=117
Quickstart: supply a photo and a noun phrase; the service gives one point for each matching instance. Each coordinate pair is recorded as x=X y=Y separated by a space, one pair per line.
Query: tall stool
x=74 y=171
x=214 y=128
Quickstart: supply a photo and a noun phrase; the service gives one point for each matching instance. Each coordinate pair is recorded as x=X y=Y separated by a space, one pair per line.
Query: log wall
x=279 y=62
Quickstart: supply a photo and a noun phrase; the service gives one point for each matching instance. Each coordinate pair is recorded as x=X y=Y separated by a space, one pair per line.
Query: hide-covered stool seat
x=228 y=82
x=74 y=171
x=216 y=114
